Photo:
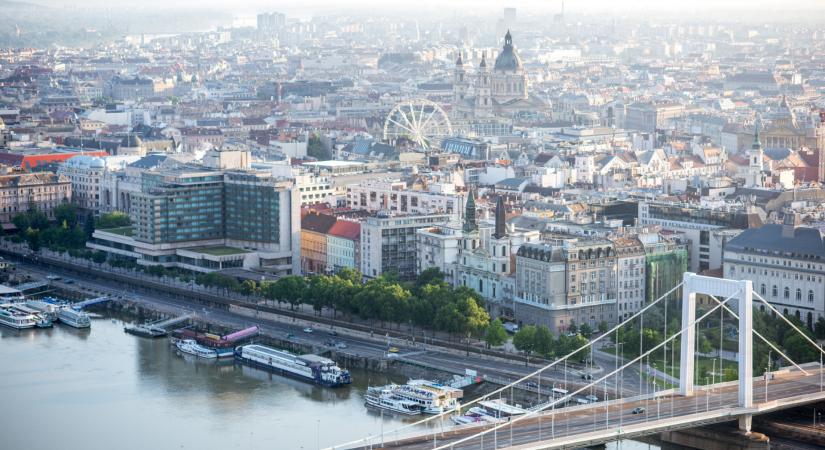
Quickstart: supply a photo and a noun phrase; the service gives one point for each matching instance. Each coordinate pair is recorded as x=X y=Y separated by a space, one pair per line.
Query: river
x=100 y=388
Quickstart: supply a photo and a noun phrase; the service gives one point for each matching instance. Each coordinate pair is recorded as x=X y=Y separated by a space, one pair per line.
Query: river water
x=100 y=388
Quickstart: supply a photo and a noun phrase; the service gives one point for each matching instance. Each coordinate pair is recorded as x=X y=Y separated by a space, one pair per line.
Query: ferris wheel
x=420 y=120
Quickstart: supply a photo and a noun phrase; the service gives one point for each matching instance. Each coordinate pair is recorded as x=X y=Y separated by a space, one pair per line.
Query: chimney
x=791 y=221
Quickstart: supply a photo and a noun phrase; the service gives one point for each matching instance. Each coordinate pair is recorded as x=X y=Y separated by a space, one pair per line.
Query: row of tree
x=429 y=303
x=539 y=340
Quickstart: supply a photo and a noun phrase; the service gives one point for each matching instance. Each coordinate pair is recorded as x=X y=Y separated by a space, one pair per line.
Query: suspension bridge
x=551 y=424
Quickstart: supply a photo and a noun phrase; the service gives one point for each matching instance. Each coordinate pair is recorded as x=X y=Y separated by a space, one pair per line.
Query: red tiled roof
x=346 y=229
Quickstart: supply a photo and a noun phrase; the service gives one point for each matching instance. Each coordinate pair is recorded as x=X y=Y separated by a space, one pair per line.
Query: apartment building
x=568 y=283
x=42 y=191
x=786 y=263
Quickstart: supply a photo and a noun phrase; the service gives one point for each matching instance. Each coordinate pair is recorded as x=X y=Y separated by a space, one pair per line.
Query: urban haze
x=426 y=225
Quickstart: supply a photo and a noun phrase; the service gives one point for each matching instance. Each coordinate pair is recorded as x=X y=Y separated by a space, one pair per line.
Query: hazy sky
x=460 y=5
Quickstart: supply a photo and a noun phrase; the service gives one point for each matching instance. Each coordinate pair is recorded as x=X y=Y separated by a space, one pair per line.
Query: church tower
x=470 y=223
x=460 y=83
x=483 y=90
x=754 y=177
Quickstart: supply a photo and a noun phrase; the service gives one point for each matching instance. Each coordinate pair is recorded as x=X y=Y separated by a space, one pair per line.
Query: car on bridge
x=639 y=410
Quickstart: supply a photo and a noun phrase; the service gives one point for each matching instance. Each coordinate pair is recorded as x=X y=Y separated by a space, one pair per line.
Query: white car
x=308 y=330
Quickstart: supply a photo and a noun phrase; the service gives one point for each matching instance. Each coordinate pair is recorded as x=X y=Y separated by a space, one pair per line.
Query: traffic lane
x=272 y=327
x=564 y=423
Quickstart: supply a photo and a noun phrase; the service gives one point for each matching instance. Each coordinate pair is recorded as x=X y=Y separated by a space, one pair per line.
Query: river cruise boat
x=384 y=397
x=431 y=396
x=43 y=321
x=311 y=368
x=17 y=319
x=73 y=317
x=193 y=348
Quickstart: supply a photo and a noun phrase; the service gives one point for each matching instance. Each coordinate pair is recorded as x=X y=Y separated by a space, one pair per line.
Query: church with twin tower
x=494 y=90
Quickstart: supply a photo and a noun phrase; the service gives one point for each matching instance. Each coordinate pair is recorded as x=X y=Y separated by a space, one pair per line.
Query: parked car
x=638 y=410
x=393 y=350
x=592 y=398
x=308 y=330
x=587 y=376
x=340 y=345
x=332 y=333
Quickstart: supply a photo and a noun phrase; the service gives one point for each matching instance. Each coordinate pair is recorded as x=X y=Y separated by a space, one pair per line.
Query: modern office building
x=388 y=243
x=205 y=220
x=705 y=229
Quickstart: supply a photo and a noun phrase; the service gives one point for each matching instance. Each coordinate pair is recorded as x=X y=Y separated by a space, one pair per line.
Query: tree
x=496 y=334
x=33 y=239
x=99 y=257
x=603 y=327
x=248 y=287
x=704 y=344
x=543 y=344
x=89 y=226
x=585 y=330
x=819 y=328
x=66 y=213
x=112 y=220
x=316 y=149
x=799 y=349
x=429 y=276
x=525 y=339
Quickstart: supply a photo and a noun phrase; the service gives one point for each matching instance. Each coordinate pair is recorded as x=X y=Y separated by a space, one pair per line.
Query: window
x=811 y=295
x=787 y=292
x=774 y=291
x=798 y=294
x=763 y=289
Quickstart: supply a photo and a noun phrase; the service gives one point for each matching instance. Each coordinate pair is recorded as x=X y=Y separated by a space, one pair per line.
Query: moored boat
x=193 y=348
x=15 y=318
x=309 y=367
x=73 y=317
x=384 y=398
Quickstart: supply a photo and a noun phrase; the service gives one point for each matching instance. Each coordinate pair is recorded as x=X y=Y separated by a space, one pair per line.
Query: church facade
x=493 y=91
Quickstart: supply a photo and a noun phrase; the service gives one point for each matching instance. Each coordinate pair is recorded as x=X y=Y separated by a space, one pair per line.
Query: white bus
x=558 y=392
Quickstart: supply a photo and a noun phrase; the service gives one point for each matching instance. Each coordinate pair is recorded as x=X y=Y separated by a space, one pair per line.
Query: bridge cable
x=570 y=395
x=366 y=440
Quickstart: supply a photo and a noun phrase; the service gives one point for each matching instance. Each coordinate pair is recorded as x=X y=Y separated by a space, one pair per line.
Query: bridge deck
x=597 y=423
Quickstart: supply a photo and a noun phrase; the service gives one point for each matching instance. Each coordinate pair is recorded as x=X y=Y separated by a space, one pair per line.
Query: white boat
x=431 y=396
x=15 y=318
x=43 y=321
x=73 y=317
x=489 y=411
x=309 y=367
x=46 y=309
x=385 y=398
x=191 y=347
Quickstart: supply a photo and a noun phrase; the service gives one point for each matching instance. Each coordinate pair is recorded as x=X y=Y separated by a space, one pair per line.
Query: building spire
x=470 y=213
x=501 y=229
x=757 y=144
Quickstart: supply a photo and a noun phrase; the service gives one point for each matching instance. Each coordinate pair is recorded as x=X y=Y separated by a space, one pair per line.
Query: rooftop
x=220 y=250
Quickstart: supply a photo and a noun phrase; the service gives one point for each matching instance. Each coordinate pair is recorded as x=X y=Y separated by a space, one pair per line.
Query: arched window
x=810 y=295
x=787 y=292
x=798 y=294
x=774 y=291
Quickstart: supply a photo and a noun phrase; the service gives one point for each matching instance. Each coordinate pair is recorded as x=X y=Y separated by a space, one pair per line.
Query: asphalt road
x=557 y=424
x=358 y=344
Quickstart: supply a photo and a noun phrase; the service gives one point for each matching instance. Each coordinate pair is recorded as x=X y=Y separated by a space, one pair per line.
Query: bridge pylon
x=740 y=291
